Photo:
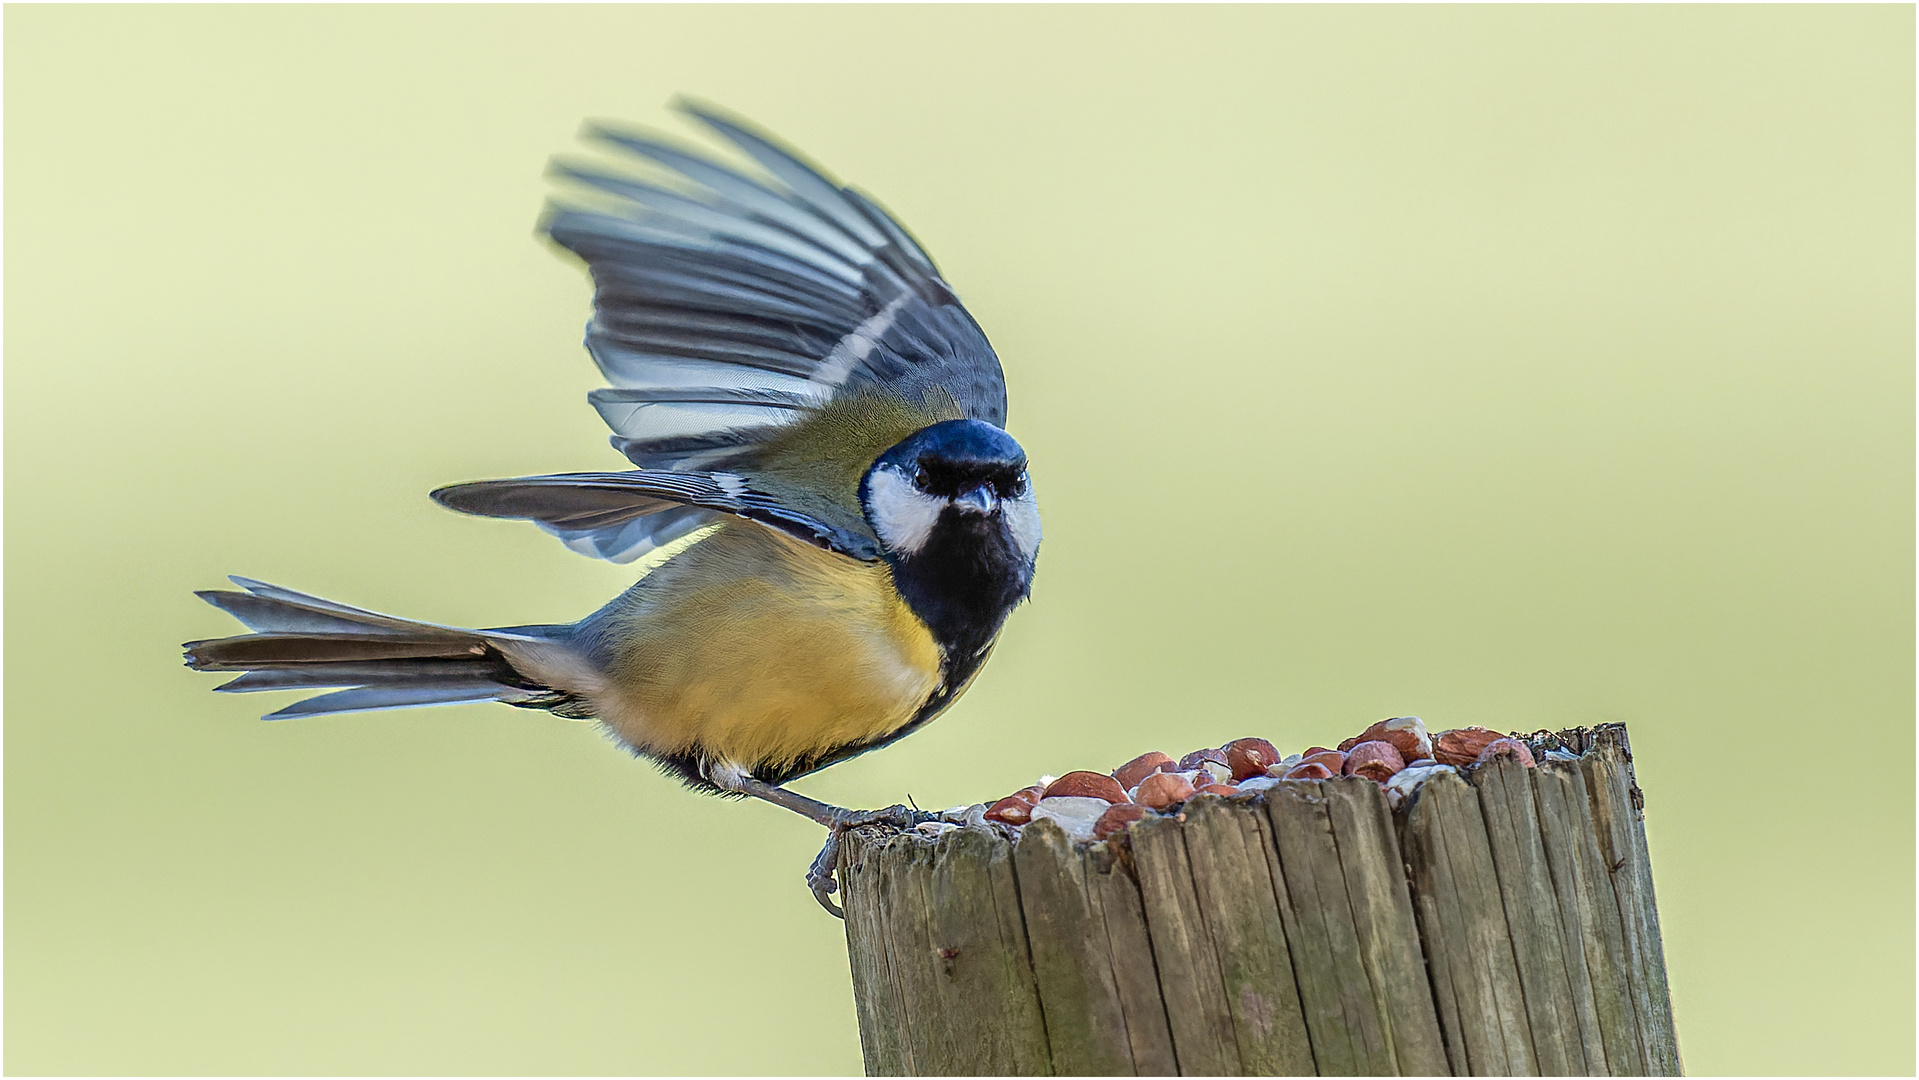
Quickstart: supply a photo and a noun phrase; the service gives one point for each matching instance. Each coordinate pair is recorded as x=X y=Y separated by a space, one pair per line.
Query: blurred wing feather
x=600 y=507
x=772 y=295
x=729 y=304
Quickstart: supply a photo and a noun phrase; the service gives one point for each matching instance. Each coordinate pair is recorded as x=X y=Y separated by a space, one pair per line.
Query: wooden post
x=1499 y=923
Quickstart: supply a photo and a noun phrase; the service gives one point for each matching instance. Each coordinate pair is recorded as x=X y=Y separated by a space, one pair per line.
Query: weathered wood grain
x=1072 y=957
x=962 y=996
x=1662 y=1041
x=1620 y=833
x=1589 y=919
x=1532 y=914
x=1227 y=843
x=987 y=989
x=876 y=999
x=1348 y=1028
x=1110 y=881
x=1346 y=1035
x=1499 y=923
x=1384 y=925
x=1462 y=921
x=903 y=912
x=1189 y=973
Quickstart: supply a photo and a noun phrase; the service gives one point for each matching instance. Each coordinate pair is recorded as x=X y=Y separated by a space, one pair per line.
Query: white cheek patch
x=1022 y=520
x=902 y=514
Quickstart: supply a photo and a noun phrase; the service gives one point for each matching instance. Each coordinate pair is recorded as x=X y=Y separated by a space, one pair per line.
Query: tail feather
x=359 y=617
x=374 y=698
x=302 y=642
x=266 y=615
x=377 y=673
x=260 y=650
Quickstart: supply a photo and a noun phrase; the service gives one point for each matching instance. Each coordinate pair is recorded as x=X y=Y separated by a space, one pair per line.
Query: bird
x=830 y=522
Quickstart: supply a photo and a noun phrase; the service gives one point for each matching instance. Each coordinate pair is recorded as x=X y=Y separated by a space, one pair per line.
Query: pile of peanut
x=1397 y=754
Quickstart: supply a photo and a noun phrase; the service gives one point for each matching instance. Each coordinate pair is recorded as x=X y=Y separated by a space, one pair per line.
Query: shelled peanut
x=1398 y=754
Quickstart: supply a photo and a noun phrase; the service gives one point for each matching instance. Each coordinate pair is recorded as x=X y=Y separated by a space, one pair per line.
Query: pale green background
x=1508 y=366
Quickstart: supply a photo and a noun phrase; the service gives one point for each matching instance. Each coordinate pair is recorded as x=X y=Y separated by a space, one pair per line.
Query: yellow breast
x=760 y=650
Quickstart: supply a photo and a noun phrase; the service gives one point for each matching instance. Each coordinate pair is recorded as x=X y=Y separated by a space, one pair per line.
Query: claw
x=821 y=876
x=823 y=884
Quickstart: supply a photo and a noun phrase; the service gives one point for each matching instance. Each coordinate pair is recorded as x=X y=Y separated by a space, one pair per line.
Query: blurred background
x=1513 y=366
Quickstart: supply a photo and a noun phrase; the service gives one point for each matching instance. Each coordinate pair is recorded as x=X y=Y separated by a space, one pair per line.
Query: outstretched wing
x=726 y=305
x=606 y=503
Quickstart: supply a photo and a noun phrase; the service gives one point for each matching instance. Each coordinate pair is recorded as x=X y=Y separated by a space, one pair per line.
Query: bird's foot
x=821 y=877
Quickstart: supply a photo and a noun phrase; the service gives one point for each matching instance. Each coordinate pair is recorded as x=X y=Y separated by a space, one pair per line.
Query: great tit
x=831 y=520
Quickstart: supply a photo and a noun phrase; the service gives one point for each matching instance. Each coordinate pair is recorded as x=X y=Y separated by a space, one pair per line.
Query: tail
x=303 y=642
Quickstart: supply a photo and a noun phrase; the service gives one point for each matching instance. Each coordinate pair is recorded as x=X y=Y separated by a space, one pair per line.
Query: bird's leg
x=820 y=877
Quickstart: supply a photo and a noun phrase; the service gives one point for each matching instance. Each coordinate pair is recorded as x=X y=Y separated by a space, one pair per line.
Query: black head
x=956 y=518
